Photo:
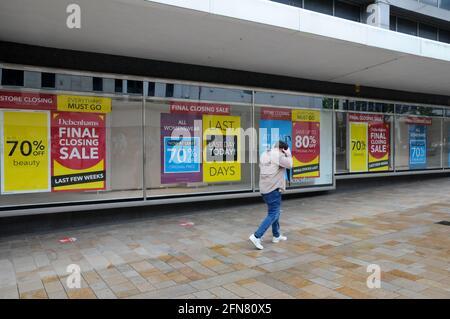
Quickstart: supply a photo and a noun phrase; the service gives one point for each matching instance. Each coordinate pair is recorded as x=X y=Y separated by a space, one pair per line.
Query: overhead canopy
x=252 y=35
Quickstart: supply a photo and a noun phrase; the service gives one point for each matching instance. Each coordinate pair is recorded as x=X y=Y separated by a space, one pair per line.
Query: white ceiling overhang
x=251 y=35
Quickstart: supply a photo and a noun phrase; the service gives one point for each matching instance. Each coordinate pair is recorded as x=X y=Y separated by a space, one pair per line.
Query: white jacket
x=272 y=165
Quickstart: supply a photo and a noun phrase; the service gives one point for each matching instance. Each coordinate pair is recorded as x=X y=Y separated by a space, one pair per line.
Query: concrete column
x=377 y=14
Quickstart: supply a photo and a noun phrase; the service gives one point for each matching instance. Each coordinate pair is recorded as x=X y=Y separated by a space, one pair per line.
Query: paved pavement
x=331 y=240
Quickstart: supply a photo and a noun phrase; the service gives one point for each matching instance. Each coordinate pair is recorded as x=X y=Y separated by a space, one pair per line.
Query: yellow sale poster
x=89 y=104
x=221 y=140
x=25 y=156
x=306 y=144
x=358 y=147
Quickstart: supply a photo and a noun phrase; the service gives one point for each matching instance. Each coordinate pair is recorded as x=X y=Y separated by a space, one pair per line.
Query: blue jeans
x=273 y=201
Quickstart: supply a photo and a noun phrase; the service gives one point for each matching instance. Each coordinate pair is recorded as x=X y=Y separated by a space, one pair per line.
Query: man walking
x=272 y=182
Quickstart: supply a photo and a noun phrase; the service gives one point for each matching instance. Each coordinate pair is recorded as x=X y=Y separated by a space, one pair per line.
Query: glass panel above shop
x=418 y=110
x=199 y=93
x=292 y=100
x=365 y=106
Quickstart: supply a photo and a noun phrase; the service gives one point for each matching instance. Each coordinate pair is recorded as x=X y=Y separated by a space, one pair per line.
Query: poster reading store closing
x=78 y=151
x=221 y=140
x=25 y=152
x=181 y=148
x=306 y=144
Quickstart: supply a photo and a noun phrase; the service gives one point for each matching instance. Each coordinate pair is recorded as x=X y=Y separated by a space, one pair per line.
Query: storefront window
x=341 y=143
x=198 y=146
x=69 y=148
x=417 y=142
x=446 y=143
x=305 y=124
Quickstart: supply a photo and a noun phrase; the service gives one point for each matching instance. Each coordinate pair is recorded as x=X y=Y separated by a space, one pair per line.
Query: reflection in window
x=445 y=4
x=418 y=110
x=322 y=6
x=347 y=11
x=444 y=35
x=135 y=87
x=433 y=3
x=428 y=32
x=406 y=26
x=48 y=80
x=12 y=77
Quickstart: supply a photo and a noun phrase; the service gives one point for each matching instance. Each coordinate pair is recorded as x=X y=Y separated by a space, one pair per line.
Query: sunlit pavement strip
x=331 y=240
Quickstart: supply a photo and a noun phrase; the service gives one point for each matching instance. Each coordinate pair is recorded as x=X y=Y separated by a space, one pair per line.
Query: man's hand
x=287 y=152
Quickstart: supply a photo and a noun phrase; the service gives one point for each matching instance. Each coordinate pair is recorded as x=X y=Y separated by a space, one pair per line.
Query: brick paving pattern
x=331 y=240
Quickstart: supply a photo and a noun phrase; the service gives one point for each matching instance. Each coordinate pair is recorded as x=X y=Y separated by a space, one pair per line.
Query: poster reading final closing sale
x=78 y=151
x=306 y=143
x=221 y=139
x=369 y=142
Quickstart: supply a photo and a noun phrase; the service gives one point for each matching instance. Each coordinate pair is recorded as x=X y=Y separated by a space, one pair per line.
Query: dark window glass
x=428 y=32
x=135 y=87
x=48 y=80
x=282 y=1
x=322 y=6
x=419 y=110
x=151 y=89
x=347 y=11
x=169 y=90
x=433 y=3
x=393 y=23
x=118 y=86
x=12 y=77
x=296 y=3
x=445 y=4
x=444 y=35
x=97 y=84
x=406 y=26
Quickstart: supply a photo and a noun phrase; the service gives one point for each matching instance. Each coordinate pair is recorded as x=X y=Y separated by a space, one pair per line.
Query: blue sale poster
x=180 y=148
x=448 y=142
x=181 y=154
x=273 y=131
x=275 y=125
x=417 y=146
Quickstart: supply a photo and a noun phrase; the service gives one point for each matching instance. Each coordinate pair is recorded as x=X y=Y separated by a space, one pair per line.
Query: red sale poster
x=306 y=143
x=78 y=151
x=379 y=146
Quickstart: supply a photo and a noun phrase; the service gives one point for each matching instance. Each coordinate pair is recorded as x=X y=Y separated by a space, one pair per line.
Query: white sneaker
x=278 y=239
x=256 y=241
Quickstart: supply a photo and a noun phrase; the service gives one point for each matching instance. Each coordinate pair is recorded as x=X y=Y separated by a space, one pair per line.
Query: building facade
x=132 y=102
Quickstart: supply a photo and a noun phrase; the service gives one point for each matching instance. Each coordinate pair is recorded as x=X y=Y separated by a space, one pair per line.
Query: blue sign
x=272 y=131
x=448 y=147
x=417 y=146
x=181 y=154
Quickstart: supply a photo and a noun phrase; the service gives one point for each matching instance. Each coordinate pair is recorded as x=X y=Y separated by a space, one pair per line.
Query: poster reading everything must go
x=181 y=154
x=306 y=143
x=221 y=156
